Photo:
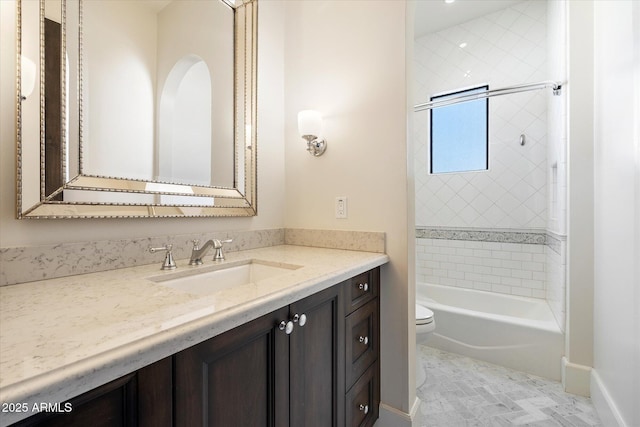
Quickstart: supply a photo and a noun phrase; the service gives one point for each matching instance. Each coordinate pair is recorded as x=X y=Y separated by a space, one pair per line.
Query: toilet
x=425 y=323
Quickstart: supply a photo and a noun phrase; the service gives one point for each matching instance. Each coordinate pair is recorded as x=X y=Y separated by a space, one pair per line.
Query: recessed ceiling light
x=449 y=1
x=462 y=45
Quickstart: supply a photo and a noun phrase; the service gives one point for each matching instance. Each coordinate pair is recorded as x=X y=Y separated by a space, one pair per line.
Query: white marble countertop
x=62 y=337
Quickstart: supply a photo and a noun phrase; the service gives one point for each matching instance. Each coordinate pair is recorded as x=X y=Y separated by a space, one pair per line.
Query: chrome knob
x=300 y=319
x=364 y=340
x=363 y=287
x=364 y=408
x=287 y=327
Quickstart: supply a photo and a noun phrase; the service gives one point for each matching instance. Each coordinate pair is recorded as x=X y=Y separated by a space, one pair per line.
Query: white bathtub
x=517 y=332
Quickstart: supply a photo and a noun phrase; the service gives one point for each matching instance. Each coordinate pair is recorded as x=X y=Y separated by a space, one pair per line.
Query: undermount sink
x=204 y=281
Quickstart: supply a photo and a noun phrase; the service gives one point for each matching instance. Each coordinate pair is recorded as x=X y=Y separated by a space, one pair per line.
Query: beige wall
x=346 y=59
x=271 y=155
x=579 y=323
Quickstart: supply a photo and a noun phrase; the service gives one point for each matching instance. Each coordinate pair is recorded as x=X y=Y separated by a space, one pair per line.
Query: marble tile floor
x=457 y=391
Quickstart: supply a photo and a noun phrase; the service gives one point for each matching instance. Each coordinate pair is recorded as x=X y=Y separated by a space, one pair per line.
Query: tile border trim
x=554 y=242
x=529 y=237
x=483 y=235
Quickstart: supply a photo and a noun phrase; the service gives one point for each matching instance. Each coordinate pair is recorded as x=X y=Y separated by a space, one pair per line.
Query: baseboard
x=604 y=404
x=393 y=417
x=576 y=379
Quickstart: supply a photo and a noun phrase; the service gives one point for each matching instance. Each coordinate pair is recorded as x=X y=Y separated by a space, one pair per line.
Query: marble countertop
x=62 y=337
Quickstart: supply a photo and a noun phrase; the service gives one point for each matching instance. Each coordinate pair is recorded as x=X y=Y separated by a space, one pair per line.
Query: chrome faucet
x=197 y=253
x=169 y=263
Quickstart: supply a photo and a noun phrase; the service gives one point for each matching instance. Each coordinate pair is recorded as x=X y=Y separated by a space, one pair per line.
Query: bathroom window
x=460 y=134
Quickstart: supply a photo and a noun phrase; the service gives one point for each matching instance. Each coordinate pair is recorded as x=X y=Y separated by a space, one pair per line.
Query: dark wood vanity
x=314 y=362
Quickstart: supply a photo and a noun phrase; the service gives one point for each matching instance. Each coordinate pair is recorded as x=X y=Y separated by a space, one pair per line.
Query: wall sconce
x=310 y=128
x=27 y=77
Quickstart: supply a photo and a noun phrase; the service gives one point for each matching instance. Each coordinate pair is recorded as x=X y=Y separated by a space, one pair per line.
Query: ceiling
x=436 y=15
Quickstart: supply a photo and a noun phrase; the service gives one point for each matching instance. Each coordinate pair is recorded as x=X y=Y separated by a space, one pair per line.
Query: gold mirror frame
x=217 y=201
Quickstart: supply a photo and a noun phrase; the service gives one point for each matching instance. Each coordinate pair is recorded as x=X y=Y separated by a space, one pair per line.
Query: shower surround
x=499 y=230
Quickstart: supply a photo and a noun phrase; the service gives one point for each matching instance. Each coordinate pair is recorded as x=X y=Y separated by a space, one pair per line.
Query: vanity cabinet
x=262 y=374
x=314 y=363
x=143 y=398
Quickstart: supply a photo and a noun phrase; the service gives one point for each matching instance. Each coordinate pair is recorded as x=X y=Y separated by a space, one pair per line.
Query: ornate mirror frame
x=32 y=201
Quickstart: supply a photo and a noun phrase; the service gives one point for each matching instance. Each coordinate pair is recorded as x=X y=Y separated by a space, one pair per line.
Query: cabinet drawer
x=363 y=399
x=361 y=289
x=362 y=341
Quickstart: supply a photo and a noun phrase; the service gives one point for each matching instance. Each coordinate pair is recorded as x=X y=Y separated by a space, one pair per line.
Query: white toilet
x=425 y=323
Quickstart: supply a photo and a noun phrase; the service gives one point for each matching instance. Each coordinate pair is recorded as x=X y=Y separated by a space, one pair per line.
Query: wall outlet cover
x=341 y=207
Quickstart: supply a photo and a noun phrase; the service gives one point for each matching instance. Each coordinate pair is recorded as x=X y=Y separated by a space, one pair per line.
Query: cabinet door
x=238 y=378
x=142 y=398
x=317 y=361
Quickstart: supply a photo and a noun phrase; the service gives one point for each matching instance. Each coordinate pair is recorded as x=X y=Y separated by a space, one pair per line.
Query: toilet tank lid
x=423 y=312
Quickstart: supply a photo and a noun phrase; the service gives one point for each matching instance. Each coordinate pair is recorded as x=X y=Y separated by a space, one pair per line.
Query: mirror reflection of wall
x=184 y=149
x=158 y=102
x=119 y=80
x=112 y=63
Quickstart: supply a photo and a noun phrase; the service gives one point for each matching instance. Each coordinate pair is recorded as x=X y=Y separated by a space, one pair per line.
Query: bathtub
x=517 y=332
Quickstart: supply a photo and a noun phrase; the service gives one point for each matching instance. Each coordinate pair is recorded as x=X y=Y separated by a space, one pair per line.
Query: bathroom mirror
x=136 y=109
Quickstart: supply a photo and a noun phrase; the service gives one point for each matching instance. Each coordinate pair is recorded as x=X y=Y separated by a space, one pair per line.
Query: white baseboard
x=393 y=417
x=576 y=379
x=604 y=404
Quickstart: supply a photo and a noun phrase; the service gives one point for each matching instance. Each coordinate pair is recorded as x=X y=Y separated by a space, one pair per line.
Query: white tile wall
x=509 y=268
x=525 y=269
x=557 y=155
x=525 y=187
x=519 y=190
x=556 y=279
x=503 y=48
x=557 y=116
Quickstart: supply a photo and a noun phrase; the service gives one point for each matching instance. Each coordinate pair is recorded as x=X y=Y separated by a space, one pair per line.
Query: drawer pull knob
x=300 y=319
x=287 y=327
x=364 y=408
x=363 y=287
x=364 y=340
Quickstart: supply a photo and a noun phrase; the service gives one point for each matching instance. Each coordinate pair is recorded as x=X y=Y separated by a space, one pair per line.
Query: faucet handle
x=196 y=244
x=218 y=244
x=169 y=263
